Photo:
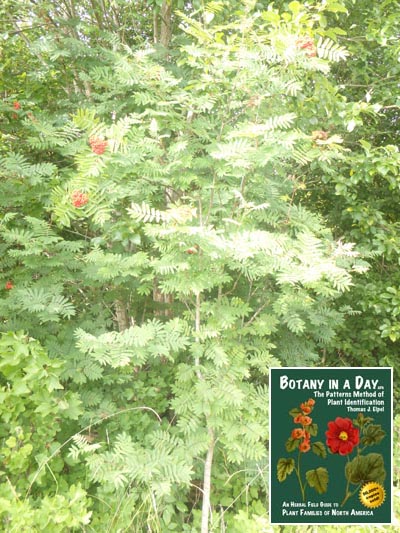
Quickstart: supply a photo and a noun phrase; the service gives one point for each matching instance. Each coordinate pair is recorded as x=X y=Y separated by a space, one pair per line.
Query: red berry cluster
x=79 y=198
x=97 y=145
x=16 y=105
x=192 y=250
x=307 y=44
x=9 y=285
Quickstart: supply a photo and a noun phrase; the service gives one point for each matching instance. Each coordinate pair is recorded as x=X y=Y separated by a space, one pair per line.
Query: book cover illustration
x=331 y=445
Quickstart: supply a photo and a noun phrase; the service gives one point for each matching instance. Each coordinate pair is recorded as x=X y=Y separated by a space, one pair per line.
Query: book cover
x=331 y=445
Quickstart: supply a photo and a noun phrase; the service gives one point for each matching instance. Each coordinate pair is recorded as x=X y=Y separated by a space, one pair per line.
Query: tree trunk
x=165 y=299
x=166 y=23
x=121 y=315
x=162 y=24
x=205 y=510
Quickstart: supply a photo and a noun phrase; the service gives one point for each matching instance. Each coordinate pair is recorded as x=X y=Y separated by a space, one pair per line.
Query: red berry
x=79 y=198
x=9 y=285
x=307 y=44
x=97 y=145
x=16 y=105
x=193 y=250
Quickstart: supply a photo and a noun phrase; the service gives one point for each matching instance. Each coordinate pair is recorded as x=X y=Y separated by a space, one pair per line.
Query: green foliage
x=59 y=513
x=328 y=49
x=33 y=405
x=241 y=160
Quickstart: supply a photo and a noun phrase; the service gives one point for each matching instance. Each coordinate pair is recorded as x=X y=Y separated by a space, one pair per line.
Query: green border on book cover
x=331 y=445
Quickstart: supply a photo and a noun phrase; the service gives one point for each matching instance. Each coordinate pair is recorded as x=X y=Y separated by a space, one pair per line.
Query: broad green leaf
x=284 y=468
x=366 y=468
x=319 y=449
x=292 y=444
x=318 y=479
x=313 y=429
x=372 y=434
x=294 y=412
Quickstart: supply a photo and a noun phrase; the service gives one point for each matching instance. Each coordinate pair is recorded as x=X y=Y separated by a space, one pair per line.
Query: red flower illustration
x=342 y=436
x=297 y=433
x=9 y=285
x=79 y=198
x=97 y=145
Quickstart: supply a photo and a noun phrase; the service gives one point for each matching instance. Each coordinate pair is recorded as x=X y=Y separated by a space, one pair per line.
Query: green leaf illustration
x=373 y=433
x=284 y=468
x=294 y=412
x=292 y=444
x=318 y=479
x=312 y=429
x=319 y=449
x=366 y=468
x=362 y=420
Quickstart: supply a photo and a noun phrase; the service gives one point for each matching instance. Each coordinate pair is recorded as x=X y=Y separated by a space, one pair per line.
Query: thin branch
x=25 y=39
x=233 y=289
x=197 y=332
x=206 y=507
x=264 y=305
x=27 y=29
x=96 y=14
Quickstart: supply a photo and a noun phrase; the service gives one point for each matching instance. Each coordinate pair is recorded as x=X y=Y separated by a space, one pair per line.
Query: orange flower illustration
x=300 y=440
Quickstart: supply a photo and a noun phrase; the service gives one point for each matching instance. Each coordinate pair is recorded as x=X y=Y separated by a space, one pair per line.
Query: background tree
x=359 y=196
